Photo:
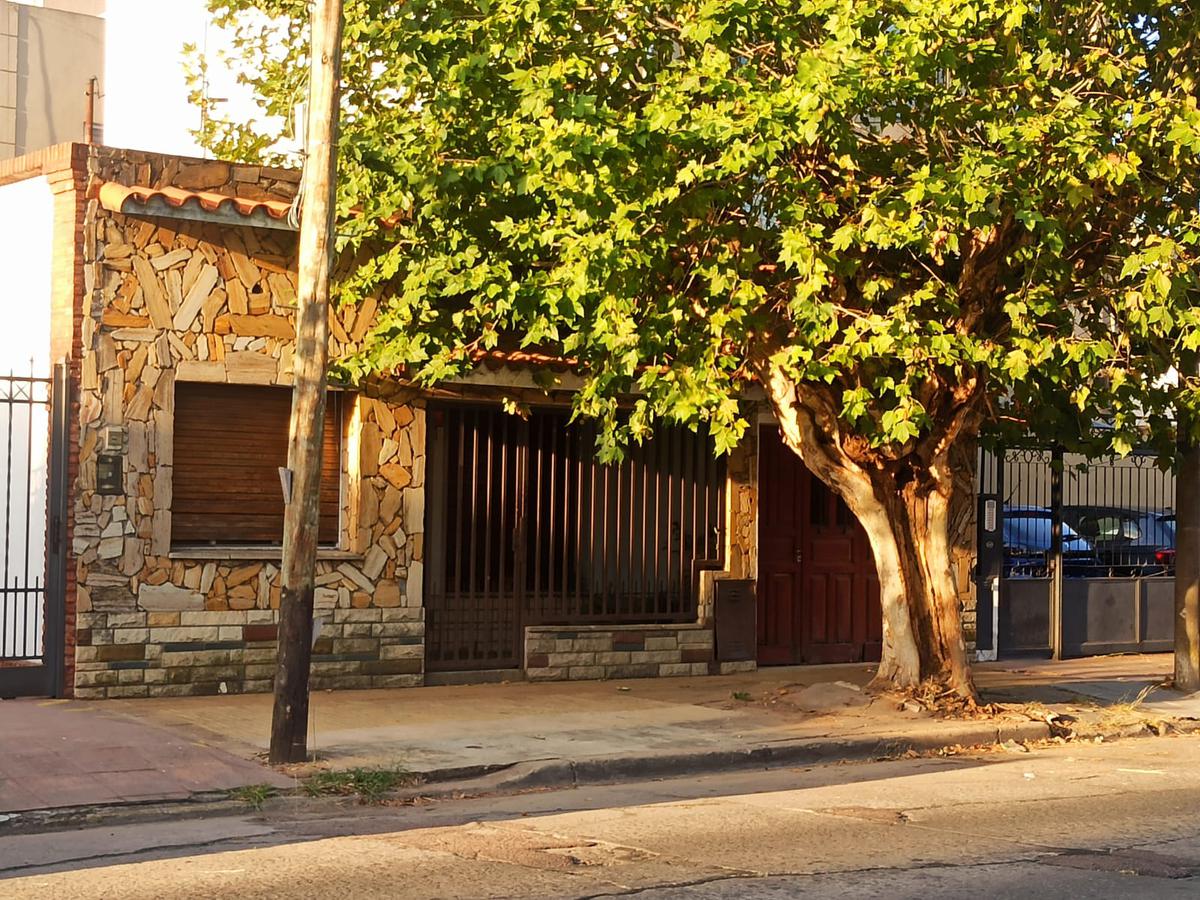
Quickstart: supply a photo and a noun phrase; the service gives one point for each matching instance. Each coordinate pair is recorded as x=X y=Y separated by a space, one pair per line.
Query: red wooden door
x=818 y=594
x=782 y=510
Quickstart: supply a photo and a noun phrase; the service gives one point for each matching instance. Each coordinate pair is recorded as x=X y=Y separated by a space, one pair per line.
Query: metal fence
x=32 y=466
x=1077 y=555
x=527 y=528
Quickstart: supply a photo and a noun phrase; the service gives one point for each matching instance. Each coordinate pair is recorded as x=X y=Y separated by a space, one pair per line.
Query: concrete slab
x=57 y=754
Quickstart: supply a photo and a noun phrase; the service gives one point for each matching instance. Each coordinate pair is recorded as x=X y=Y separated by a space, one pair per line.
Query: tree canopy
x=903 y=203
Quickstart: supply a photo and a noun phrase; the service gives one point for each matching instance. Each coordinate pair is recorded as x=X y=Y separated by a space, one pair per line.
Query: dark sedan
x=1027 y=540
x=1127 y=542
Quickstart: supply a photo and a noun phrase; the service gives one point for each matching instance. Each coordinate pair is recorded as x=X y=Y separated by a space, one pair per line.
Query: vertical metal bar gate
x=527 y=528
x=33 y=469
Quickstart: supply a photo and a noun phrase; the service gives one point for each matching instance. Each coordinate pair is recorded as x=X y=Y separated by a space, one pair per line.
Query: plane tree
x=896 y=222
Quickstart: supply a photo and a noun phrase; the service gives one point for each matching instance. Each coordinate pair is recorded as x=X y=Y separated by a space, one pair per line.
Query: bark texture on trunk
x=905 y=504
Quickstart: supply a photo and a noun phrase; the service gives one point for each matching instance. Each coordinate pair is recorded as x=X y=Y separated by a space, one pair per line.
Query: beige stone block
x=387 y=593
x=612 y=659
x=194 y=299
x=259 y=325
x=414 y=510
x=184 y=634
x=243 y=574
x=402 y=651
x=130 y=635
x=209 y=618
x=172 y=259
x=200 y=370
x=373 y=562
x=661 y=643
x=654 y=656
x=396 y=475
x=352 y=574
x=572 y=659
x=355 y=615
x=163 y=620
x=168 y=598
x=546 y=674
x=250 y=367
x=413 y=586
x=111 y=548
x=585 y=673
x=152 y=293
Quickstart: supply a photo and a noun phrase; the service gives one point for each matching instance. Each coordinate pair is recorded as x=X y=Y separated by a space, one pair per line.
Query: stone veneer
x=166 y=301
x=565 y=653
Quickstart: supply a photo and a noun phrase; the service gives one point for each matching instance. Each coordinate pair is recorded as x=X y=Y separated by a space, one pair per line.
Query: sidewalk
x=55 y=754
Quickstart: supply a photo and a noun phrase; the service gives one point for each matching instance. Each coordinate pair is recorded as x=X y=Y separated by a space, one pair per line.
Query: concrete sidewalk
x=168 y=747
x=453 y=727
x=60 y=753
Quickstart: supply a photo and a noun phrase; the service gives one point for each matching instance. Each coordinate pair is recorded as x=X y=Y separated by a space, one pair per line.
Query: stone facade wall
x=564 y=653
x=168 y=301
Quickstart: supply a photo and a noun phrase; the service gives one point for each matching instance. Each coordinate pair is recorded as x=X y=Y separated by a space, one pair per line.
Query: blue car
x=1027 y=540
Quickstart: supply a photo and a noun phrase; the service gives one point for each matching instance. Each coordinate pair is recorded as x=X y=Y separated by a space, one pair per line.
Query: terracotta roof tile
x=138 y=199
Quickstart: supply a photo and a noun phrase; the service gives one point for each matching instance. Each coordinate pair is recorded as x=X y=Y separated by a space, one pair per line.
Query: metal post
x=1056 y=552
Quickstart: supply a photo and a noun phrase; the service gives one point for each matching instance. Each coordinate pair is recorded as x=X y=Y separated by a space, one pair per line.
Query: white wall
x=25 y=259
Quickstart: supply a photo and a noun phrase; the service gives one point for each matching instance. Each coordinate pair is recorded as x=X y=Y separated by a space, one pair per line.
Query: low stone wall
x=157 y=654
x=564 y=653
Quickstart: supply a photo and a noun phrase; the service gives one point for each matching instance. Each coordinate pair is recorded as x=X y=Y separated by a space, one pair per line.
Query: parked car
x=1127 y=542
x=1027 y=541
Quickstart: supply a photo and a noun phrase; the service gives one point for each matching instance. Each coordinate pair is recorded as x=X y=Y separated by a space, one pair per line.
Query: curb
x=557 y=774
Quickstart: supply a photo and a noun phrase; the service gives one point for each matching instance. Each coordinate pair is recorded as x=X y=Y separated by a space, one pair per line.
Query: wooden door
x=818 y=593
x=782 y=510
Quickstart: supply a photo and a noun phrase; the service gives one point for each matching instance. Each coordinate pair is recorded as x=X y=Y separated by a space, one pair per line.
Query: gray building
x=48 y=54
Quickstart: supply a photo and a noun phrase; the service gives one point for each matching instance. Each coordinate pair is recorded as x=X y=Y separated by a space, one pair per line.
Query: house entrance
x=818 y=594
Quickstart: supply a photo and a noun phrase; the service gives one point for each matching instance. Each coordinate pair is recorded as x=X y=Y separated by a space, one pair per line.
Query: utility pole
x=302 y=481
x=1187 y=546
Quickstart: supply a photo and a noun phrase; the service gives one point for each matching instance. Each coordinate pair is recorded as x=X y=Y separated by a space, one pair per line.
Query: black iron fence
x=525 y=527
x=32 y=466
x=1077 y=555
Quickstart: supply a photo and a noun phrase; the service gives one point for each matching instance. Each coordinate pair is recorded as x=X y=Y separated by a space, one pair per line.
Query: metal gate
x=525 y=527
x=33 y=431
x=1082 y=553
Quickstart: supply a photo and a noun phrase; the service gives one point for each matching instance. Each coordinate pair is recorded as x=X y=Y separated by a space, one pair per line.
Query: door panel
x=818 y=594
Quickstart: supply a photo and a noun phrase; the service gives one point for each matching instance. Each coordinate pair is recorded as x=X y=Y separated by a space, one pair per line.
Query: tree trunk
x=904 y=504
x=909 y=530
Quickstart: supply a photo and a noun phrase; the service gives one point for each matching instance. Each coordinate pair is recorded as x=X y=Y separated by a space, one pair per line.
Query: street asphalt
x=1074 y=820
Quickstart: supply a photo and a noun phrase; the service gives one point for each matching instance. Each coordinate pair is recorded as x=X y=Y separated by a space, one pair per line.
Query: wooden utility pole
x=289 y=722
x=1187 y=549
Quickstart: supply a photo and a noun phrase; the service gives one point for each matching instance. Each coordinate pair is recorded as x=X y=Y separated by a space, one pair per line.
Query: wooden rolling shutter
x=230 y=441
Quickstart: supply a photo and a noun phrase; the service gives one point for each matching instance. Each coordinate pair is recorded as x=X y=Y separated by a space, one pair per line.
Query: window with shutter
x=230 y=441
